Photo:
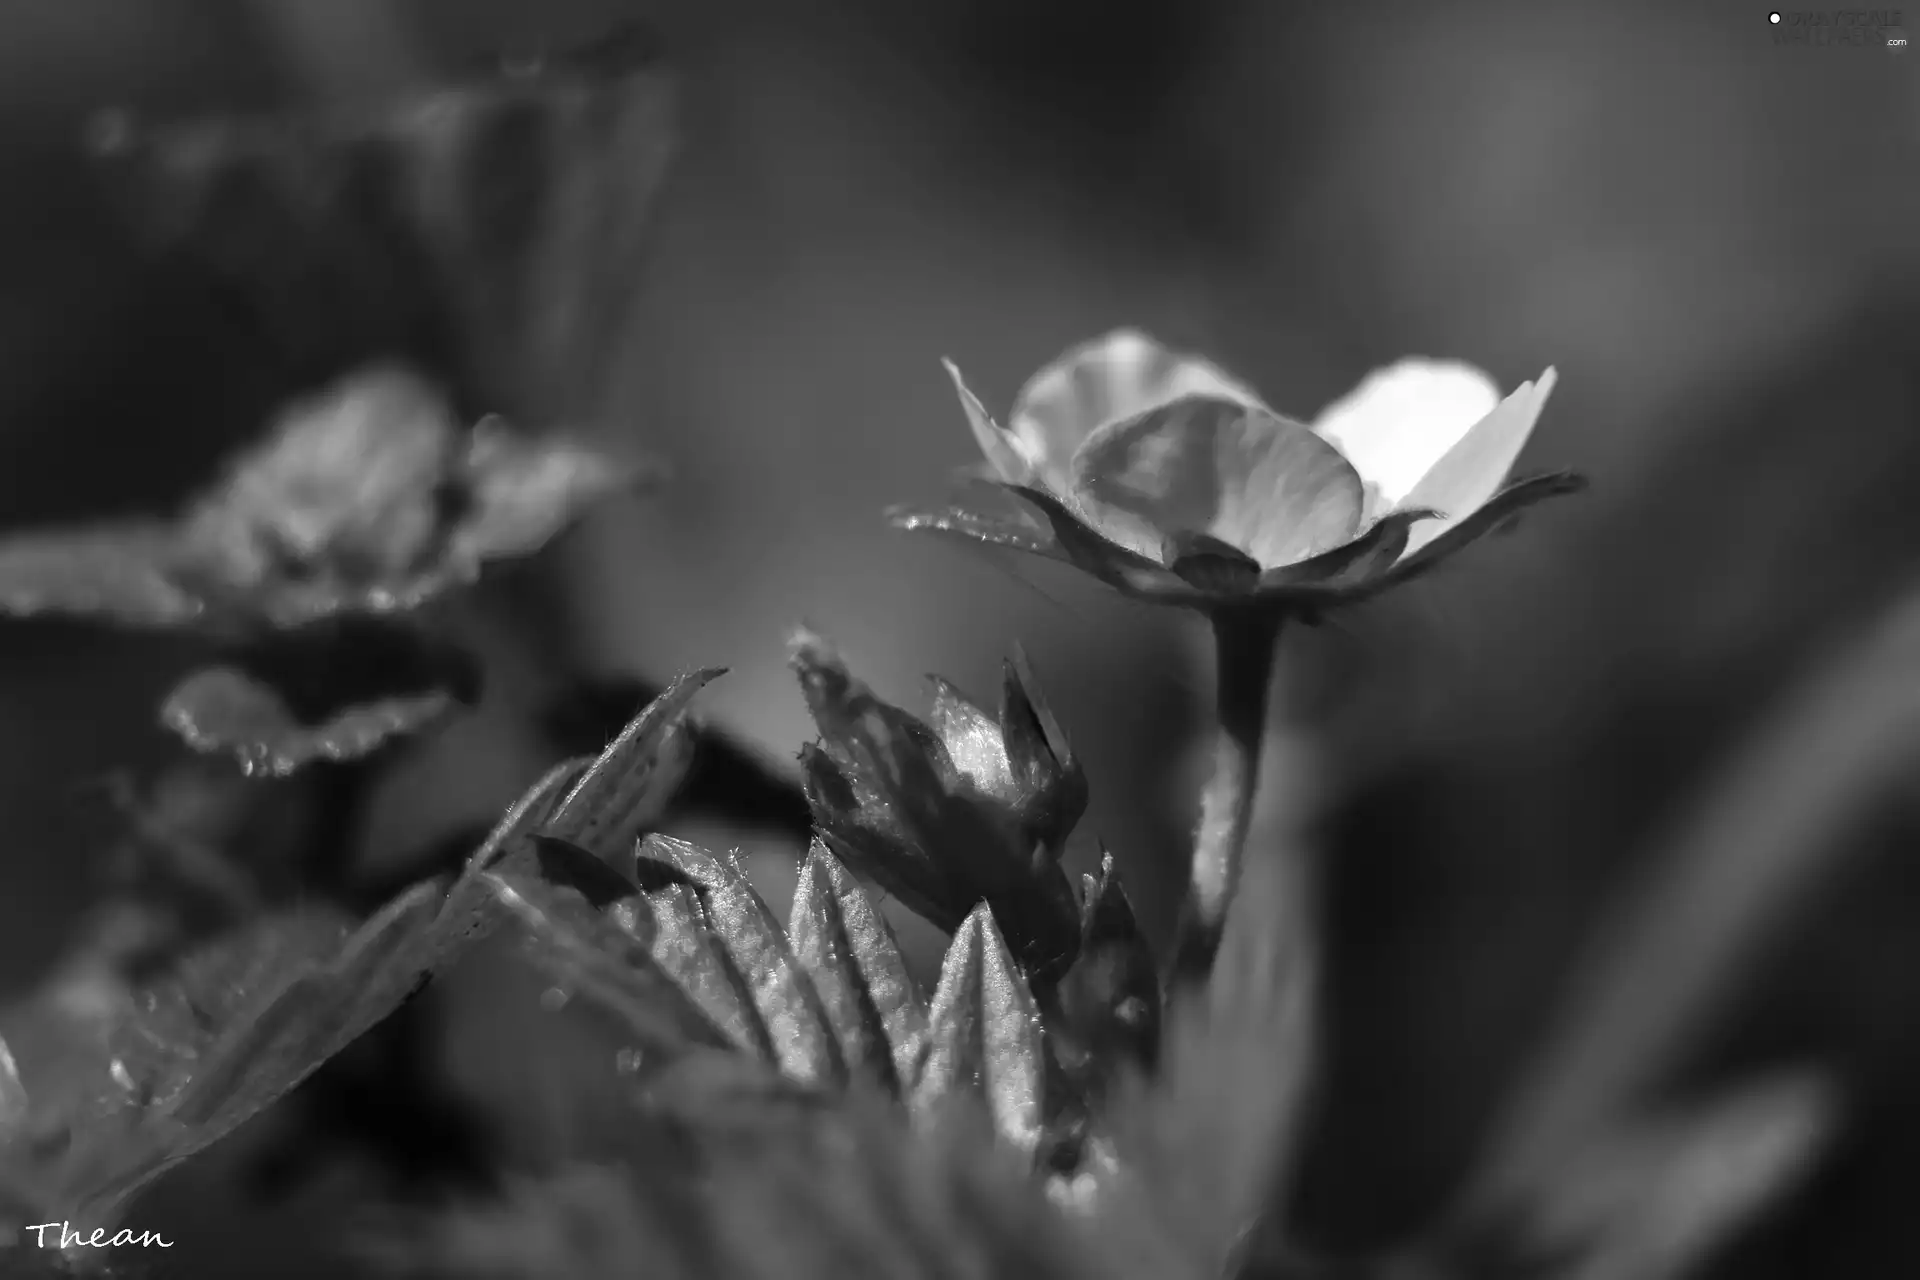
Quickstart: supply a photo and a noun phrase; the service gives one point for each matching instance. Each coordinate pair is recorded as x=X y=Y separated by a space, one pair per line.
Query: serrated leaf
x=1653 y=1202
x=316 y=1015
x=471 y=908
x=870 y=998
x=783 y=995
x=627 y=788
x=232 y=1030
x=684 y=944
x=984 y=1035
x=590 y=955
x=221 y=709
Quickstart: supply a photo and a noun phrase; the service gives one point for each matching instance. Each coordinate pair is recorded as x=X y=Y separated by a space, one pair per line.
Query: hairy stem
x=1244 y=651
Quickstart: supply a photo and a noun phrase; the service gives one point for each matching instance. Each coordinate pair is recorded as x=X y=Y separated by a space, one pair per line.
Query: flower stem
x=1244 y=643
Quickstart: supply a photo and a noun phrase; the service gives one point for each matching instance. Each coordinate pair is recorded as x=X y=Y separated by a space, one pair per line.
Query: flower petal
x=1003 y=450
x=1110 y=378
x=1475 y=468
x=1259 y=482
x=1402 y=419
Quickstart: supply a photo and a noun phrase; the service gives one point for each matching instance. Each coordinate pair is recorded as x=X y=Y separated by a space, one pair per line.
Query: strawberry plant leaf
x=587 y=952
x=783 y=994
x=365 y=499
x=185 y=1060
x=627 y=788
x=869 y=997
x=221 y=709
x=984 y=1035
x=371 y=230
x=125 y=573
x=685 y=945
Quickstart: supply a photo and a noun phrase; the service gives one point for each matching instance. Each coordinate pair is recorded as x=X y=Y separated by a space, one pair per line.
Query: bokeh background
x=1710 y=235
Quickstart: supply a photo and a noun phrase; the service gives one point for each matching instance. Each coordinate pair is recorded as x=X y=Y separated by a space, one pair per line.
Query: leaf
x=802 y=1042
x=229 y=1032
x=1653 y=1200
x=841 y=1191
x=589 y=955
x=1204 y=1144
x=122 y=573
x=869 y=997
x=984 y=1035
x=626 y=790
x=982 y=527
x=365 y=499
x=220 y=709
x=490 y=227
x=14 y=1103
x=471 y=908
x=684 y=944
x=729 y=778
x=523 y=491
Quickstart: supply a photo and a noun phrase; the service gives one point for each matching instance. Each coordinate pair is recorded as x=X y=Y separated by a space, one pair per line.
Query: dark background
x=1711 y=236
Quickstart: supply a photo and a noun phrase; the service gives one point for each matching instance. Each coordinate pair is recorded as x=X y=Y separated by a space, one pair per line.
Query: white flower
x=1170 y=461
x=1143 y=443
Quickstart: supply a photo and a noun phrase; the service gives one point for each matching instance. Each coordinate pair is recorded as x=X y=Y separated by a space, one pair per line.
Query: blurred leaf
x=984 y=1035
x=847 y=946
x=1654 y=1200
x=1204 y=1143
x=219 y=709
x=1788 y=804
x=365 y=499
x=589 y=955
x=888 y=794
x=13 y=1097
x=834 y=1192
x=124 y=573
x=490 y=230
x=992 y=529
x=522 y=491
x=627 y=788
x=182 y=1062
x=802 y=1042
